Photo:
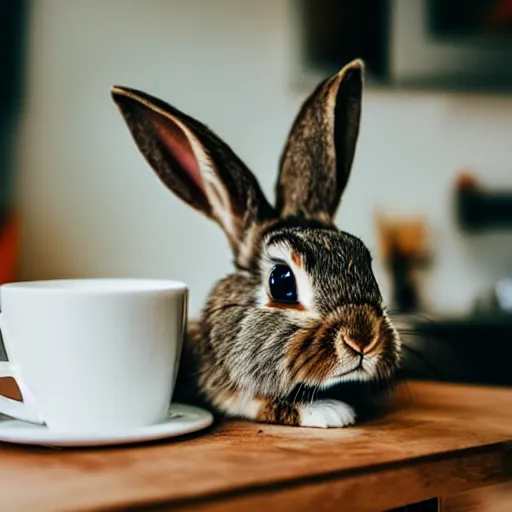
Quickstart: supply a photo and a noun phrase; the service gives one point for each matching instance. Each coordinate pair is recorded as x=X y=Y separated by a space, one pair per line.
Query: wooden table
x=438 y=441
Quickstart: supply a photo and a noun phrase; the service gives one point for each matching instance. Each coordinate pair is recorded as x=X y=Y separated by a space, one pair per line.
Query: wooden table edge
x=417 y=478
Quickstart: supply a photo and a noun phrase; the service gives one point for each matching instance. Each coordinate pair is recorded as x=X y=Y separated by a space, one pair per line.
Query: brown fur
x=296 y=259
x=361 y=325
x=306 y=349
x=246 y=355
x=286 y=305
x=282 y=413
x=311 y=145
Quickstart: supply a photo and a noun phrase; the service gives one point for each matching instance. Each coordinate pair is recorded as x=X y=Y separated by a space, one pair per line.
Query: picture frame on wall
x=408 y=44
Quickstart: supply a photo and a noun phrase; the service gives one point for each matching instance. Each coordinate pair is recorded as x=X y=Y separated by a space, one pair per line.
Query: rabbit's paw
x=327 y=414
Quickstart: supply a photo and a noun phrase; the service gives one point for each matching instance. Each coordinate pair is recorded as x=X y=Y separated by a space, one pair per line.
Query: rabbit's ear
x=194 y=163
x=317 y=157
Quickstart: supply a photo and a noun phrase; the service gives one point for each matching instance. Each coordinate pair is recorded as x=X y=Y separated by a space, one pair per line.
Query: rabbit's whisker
x=315 y=391
x=416 y=316
x=409 y=332
x=298 y=391
x=436 y=373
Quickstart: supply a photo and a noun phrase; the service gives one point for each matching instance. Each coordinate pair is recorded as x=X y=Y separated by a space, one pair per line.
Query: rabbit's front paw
x=326 y=414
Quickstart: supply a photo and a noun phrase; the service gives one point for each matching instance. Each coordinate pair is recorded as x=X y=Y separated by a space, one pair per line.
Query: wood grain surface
x=437 y=440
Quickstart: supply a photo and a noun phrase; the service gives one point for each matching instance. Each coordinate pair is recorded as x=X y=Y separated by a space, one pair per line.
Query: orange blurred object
x=9 y=248
x=404 y=246
x=406 y=236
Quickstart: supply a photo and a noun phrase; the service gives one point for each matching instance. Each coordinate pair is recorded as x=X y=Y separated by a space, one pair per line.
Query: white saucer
x=183 y=419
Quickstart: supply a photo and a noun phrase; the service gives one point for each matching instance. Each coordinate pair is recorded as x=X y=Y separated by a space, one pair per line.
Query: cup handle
x=19 y=410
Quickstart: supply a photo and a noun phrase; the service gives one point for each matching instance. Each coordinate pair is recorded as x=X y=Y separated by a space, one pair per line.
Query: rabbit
x=302 y=313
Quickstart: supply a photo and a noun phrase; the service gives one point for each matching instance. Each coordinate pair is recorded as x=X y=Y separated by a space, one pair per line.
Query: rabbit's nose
x=360 y=328
x=361 y=344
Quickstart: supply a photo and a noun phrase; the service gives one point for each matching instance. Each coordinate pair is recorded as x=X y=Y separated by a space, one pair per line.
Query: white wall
x=92 y=206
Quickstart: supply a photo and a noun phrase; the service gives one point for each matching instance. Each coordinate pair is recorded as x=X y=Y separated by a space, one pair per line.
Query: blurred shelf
x=474 y=349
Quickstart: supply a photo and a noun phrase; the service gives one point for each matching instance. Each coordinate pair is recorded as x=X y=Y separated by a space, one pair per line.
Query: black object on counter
x=479 y=210
x=476 y=349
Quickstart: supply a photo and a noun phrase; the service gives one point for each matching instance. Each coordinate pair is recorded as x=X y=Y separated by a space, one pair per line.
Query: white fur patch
x=359 y=375
x=327 y=414
x=242 y=407
x=247 y=245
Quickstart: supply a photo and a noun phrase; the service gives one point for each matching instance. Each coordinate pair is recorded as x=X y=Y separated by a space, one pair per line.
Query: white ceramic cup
x=92 y=355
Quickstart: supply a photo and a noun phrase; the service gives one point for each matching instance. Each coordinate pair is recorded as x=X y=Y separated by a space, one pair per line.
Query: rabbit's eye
x=282 y=284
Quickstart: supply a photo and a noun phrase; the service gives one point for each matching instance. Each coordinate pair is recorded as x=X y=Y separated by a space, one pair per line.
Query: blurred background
x=431 y=189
